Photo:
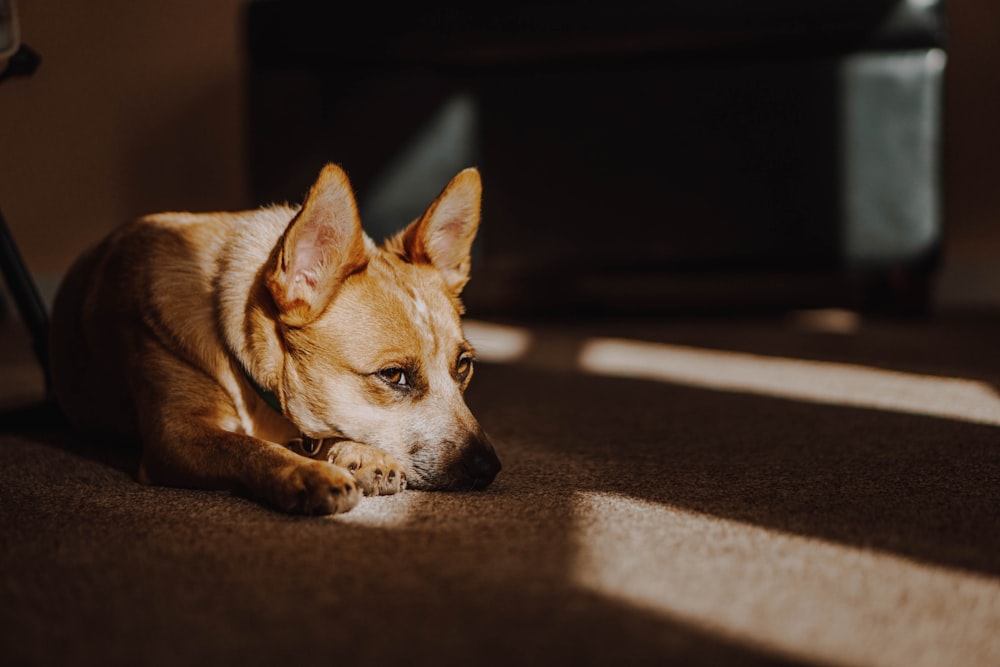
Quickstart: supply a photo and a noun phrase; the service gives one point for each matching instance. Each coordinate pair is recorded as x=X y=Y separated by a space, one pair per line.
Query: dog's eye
x=463 y=366
x=395 y=376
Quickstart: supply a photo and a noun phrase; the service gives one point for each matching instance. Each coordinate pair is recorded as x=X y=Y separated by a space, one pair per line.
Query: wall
x=137 y=107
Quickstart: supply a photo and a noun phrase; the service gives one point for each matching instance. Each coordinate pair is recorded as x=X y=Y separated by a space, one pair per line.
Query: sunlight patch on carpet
x=497 y=343
x=382 y=511
x=795 y=596
x=838 y=321
x=813 y=381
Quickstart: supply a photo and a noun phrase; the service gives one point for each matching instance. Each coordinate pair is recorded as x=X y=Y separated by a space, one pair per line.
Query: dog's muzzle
x=475 y=467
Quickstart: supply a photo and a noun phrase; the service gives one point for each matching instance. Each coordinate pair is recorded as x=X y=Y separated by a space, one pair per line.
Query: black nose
x=480 y=464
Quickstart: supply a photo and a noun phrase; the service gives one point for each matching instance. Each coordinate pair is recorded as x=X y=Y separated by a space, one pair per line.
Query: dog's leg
x=189 y=436
x=199 y=456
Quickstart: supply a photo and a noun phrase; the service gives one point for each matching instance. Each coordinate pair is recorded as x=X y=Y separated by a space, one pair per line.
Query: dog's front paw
x=316 y=487
x=377 y=471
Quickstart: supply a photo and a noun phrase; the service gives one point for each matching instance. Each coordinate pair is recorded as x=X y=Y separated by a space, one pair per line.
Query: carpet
x=812 y=489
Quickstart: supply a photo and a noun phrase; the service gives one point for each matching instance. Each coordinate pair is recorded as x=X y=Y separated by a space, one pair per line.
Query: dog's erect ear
x=321 y=247
x=443 y=236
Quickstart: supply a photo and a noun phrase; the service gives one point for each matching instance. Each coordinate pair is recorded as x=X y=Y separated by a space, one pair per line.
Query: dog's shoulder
x=215 y=231
x=250 y=236
x=179 y=266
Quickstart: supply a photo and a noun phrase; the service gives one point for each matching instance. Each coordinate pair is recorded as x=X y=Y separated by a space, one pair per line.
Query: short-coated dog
x=280 y=351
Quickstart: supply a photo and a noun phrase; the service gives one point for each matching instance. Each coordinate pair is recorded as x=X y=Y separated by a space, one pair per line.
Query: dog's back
x=151 y=277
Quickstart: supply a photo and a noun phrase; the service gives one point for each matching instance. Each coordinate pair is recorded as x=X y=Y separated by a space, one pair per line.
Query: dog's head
x=374 y=348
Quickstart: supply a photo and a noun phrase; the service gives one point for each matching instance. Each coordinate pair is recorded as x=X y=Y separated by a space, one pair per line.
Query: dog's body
x=224 y=341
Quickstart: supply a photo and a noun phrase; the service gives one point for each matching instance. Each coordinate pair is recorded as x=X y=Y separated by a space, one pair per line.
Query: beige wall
x=138 y=107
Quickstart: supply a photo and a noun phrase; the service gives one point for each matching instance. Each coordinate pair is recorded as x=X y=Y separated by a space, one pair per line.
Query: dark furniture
x=649 y=156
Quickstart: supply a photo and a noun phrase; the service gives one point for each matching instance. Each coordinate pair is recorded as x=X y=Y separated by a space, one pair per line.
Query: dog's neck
x=249 y=333
x=265 y=395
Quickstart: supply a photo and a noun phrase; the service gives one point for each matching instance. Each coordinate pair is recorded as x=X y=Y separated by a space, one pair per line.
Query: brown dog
x=225 y=341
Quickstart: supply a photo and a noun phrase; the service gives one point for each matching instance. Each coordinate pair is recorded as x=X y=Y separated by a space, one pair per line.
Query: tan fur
x=157 y=328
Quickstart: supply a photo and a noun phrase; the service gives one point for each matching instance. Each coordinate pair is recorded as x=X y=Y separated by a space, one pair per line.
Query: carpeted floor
x=786 y=490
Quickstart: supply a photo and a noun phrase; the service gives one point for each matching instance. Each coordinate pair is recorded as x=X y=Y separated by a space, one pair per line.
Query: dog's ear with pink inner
x=443 y=236
x=323 y=245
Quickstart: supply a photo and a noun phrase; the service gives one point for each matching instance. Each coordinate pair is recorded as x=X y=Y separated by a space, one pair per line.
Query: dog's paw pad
x=377 y=472
x=318 y=488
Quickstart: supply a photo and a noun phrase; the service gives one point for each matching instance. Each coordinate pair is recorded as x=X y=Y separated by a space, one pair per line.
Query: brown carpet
x=729 y=491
